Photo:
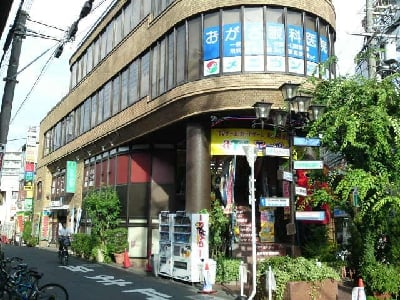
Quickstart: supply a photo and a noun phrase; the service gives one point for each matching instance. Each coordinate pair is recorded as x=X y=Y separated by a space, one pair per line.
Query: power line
x=33 y=86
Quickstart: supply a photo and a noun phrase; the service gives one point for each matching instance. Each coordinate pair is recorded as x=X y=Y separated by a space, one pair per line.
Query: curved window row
x=231 y=41
x=121 y=25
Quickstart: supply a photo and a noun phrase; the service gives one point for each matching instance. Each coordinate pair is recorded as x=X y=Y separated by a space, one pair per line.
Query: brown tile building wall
x=206 y=95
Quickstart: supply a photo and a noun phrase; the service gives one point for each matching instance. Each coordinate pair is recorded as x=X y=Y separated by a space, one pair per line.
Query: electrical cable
x=32 y=88
x=46 y=25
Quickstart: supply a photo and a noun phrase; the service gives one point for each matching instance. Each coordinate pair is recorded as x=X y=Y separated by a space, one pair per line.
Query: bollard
x=242 y=277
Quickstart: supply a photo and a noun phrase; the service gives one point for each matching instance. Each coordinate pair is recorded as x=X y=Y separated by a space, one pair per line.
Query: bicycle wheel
x=52 y=291
x=64 y=260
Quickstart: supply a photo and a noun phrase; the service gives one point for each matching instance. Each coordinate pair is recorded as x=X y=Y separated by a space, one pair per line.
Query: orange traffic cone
x=149 y=267
x=127 y=262
x=207 y=286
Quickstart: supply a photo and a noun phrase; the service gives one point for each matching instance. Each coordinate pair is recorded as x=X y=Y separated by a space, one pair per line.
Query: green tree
x=362 y=123
x=103 y=209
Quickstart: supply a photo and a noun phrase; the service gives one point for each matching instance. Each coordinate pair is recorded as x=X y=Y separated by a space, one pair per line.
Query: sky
x=40 y=88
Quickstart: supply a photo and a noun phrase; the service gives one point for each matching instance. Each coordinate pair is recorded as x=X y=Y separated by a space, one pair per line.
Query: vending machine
x=165 y=252
x=183 y=255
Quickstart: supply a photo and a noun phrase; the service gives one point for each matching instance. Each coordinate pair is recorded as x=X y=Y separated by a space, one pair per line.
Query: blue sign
x=253 y=38
x=312 y=45
x=211 y=41
x=232 y=39
x=275 y=39
x=323 y=44
x=306 y=142
x=295 y=41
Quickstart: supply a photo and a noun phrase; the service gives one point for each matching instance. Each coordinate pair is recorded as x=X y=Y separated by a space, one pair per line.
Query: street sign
x=306 y=142
x=310 y=215
x=287 y=176
x=301 y=191
x=308 y=164
x=274 y=201
x=276 y=151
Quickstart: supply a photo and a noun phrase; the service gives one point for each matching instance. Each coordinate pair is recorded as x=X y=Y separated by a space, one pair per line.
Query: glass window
x=154 y=70
x=171 y=60
x=82 y=120
x=100 y=100
x=89 y=58
x=70 y=127
x=232 y=41
x=73 y=75
x=324 y=46
x=275 y=32
x=146 y=8
x=47 y=142
x=211 y=44
x=107 y=101
x=161 y=79
x=253 y=39
x=93 y=120
x=133 y=85
x=117 y=29
x=77 y=131
x=86 y=119
x=63 y=131
x=103 y=46
x=135 y=17
x=96 y=52
x=295 y=43
x=124 y=89
x=144 y=75
x=311 y=38
x=126 y=19
x=180 y=53
x=110 y=37
x=57 y=136
x=194 y=49
x=116 y=90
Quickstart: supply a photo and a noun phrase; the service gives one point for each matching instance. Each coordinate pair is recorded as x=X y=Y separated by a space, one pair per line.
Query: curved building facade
x=162 y=92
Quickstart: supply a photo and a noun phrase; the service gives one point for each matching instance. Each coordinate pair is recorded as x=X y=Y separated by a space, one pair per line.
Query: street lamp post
x=251 y=155
x=301 y=106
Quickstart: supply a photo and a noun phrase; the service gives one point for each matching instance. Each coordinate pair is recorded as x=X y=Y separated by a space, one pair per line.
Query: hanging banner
x=71 y=177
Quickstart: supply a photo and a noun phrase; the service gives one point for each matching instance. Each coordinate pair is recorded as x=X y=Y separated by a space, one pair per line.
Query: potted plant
x=117 y=243
x=382 y=280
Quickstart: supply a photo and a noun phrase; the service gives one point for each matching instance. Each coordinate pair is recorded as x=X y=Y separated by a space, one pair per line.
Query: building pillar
x=198 y=178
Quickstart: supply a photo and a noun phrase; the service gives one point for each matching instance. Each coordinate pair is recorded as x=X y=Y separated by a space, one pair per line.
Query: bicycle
x=24 y=285
x=63 y=254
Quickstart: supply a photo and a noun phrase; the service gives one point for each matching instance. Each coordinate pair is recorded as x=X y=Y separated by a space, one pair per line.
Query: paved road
x=94 y=281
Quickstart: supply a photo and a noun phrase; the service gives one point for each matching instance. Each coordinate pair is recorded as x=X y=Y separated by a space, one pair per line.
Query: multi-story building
x=162 y=92
x=10 y=176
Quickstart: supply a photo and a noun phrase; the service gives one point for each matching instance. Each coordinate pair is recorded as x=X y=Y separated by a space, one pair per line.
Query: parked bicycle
x=22 y=283
x=63 y=254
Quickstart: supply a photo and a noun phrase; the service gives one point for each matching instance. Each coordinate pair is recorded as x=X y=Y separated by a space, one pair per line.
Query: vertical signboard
x=232 y=47
x=211 y=45
x=71 y=177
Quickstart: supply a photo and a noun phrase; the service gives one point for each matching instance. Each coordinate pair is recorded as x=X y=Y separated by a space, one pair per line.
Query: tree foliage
x=362 y=123
x=103 y=209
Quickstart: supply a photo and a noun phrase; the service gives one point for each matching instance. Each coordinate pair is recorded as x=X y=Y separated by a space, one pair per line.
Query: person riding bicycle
x=63 y=236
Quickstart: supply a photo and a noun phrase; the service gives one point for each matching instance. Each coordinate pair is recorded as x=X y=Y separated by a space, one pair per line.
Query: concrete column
x=198 y=178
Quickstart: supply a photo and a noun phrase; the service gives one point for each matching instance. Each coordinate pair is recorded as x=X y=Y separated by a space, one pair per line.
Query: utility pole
x=372 y=41
x=18 y=33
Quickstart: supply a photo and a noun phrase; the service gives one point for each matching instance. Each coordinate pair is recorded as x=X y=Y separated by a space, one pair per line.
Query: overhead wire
x=57 y=46
x=33 y=86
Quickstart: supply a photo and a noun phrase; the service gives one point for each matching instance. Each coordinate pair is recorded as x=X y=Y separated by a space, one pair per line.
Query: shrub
x=82 y=245
x=227 y=269
x=116 y=240
x=288 y=269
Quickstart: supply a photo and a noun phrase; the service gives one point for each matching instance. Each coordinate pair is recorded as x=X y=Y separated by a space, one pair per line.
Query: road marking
x=77 y=269
x=152 y=293
x=109 y=280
